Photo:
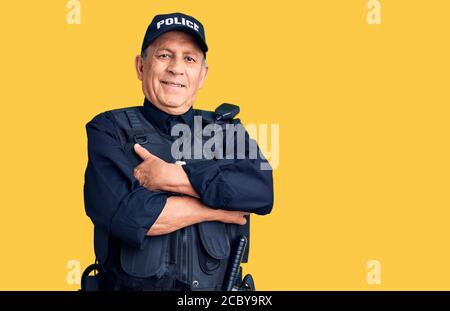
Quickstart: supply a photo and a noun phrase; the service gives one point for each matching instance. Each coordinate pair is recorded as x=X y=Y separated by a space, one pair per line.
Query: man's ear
x=203 y=74
x=139 y=64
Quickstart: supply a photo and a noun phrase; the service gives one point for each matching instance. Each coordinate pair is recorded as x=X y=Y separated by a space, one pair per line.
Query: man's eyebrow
x=190 y=51
x=164 y=49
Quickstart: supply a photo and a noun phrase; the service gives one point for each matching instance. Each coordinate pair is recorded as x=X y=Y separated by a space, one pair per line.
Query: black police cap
x=175 y=22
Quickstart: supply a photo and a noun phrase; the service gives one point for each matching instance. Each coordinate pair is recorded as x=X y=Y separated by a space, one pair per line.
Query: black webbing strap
x=133 y=118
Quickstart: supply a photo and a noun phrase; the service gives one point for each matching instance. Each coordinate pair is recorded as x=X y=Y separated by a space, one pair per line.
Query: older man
x=163 y=224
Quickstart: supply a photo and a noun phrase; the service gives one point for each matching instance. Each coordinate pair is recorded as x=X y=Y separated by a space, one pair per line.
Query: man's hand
x=156 y=174
x=153 y=173
x=180 y=212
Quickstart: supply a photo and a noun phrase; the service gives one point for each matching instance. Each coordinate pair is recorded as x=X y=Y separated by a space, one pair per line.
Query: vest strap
x=133 y=118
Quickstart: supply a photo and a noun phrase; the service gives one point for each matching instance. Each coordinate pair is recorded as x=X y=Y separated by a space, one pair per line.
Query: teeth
x=176 y=84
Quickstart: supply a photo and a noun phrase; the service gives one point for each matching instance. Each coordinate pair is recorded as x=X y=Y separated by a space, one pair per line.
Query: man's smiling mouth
x=172 y=83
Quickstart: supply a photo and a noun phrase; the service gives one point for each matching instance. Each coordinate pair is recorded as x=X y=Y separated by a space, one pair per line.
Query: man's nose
x=175 y=66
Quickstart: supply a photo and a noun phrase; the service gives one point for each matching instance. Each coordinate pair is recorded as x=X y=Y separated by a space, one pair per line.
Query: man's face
x=172 y=72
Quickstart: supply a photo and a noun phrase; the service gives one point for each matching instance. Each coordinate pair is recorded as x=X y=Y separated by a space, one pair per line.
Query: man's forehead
x=174 y=39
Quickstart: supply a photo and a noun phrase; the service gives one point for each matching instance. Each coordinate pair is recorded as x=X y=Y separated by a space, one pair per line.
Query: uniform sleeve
x=114 y=200
x=243 y=183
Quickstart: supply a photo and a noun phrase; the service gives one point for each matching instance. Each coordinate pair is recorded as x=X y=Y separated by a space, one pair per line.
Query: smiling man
x=159 y=223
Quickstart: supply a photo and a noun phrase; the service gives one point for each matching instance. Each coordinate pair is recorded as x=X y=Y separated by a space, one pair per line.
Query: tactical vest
x=199 y=253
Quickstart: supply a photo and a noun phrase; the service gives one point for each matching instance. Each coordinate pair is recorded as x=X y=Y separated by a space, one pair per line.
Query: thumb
x=142 y=152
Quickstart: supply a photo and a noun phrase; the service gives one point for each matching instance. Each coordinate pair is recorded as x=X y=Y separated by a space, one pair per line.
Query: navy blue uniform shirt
x=118 y=205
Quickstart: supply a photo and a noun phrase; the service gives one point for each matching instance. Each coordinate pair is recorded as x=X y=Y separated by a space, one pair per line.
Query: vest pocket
x=148 y=261
x=213 y=246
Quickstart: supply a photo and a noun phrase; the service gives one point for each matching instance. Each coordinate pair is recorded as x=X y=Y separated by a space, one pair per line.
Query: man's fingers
x=137 y=175
x=142 y=152
x=136 y=172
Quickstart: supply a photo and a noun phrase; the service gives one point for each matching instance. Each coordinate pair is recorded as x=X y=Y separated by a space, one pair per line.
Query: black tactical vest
x=199 y=253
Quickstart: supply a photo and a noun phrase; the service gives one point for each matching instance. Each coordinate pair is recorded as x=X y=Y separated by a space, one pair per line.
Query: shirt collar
x=164 y=121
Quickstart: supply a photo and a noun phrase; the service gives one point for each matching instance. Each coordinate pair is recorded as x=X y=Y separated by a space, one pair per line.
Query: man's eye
x=164 y=56
x=190 y=59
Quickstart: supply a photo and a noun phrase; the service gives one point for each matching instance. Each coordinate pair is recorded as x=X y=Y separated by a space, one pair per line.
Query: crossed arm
x=180 y=211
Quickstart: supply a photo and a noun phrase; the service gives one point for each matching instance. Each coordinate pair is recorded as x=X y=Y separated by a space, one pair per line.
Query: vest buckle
x=140 y=139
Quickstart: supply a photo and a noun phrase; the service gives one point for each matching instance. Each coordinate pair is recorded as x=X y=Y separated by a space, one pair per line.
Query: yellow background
x=364 y=127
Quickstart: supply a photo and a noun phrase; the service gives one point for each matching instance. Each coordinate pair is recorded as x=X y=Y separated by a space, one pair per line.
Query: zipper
x=189 y=255
x=184 y=259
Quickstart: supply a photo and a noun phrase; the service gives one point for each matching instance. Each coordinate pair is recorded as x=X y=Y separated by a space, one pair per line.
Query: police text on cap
x=170 y=21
